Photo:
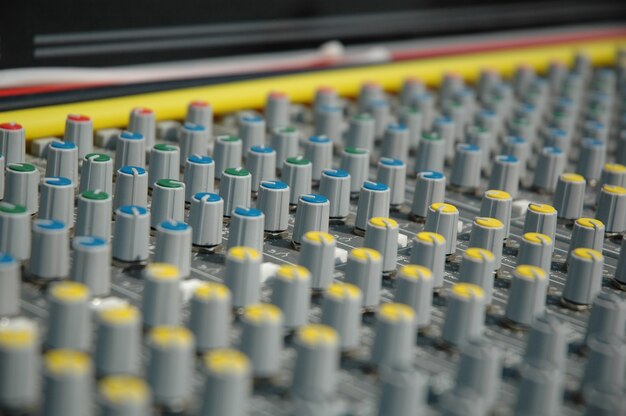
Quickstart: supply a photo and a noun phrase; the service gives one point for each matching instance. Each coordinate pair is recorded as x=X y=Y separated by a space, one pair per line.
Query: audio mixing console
x=451 y=251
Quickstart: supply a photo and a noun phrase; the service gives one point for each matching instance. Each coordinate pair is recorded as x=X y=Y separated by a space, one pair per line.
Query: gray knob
x=252 y=131
x=381 y=234
x=97 y=173
x=540 y=392
x=587 y=232
x=57 y=200
x=79 y=130
x=10 y=280
x=165 y=163
x=243 y=268
x=124 y=395
x=168 y=201
x=15 y=221
x=285 y=141
x=584 y=277
x=356 y=162
x=193 y=139
x=210 y=309
x=536 y=249
x=327 y=121
x=605 y=366
x=297 y=173
x=591 y=158
x=395 y=336
x=392 y=172
x=325 y=95
x=550 y=166
x=612 y=208
x=130 y=150
x=429 y=250
x=361 y=132
x=273 y=201
x=67 y=383
x=91 y=264
x=412 y=118
x=445 y=129
x=365 y=271
x=517 y=147
x=291 y=287
x=430 y=153
x=12 y=142
x=317 y=254
x=443 y=219
x=69 y=321
x=22 y=182
x=341 y=310
x=19 y=349
x=162 y=298
x=488 y=233
x=527 y=297
x=205 y=218
x=228 y=383
x=50 y=250
x=497 y=204
x=143 y=121
x=465 y=318
x=93 y=216
x=620 y=272
x=312 y=214
x=607 y=318
x=410 y=87
x=374 y=200
x=335 y=185
x=403 y=393
x=396 y=142
x=199 y=176
x=200 y=112
x=131 y=187
x=118 y=340
x=317 y=362
x=547 y=343
x=505 y=174
x=319 y=150
x=173 y=245
x=380 y=110
x=277 y=109
x=477 y=267
x=261 y=338
x=132 y=234
x=369 y=90
x=613 y=174
x=62 y=160
x=430 y=188
x=466 y=168
x=227 y=153
x=569 y=196
x=414 y=287
x=540 y=218
x=246 y=228
x=480 y=369
x=261 y=162
x=489 y=120
x=558 y=137
x=235 y=189
x=482 y=138
x=171 y=365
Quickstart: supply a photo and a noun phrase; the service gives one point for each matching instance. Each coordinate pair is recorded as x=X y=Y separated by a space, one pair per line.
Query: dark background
x=84 y=33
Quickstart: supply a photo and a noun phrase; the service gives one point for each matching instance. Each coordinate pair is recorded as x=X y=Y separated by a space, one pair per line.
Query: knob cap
x=57 y=200
x=430 y=153
x=587 y=232
x=297 y=173
x=261 y=162
x=477 y=267
x=319 y=150
x=466 y=167
x=527 y=298
x=235 y=189
x=317 y=254
x=15 y=221
x=381 y=235
x=361 y=132
x=443 y=219
x=143 y=121
x=194 y=140
x=19 y=392
x=67 y=380
x=550 y=166
x=130 y=150
x=50 y=250
x=396 y=142
x=79 y=130
x=291 y=287
x=355 y=161
x=165 y=163
x=488 y=233
x=505 y=174
x=91 y=264
x=228 y=383
x=200 y=112
x=341 y=310
x=591 y=159
x=210 y=316
x=69 y=321
x=612 y=208
x=430 y=188
x=536 y=250
x=569 y=196
x=173 y=245
x=392 y=172
x=22 y=182
x=118 y=340
x=124 y=395
x=335 y=185
x=252 y=131
x=243 y=268
x=277 y=109
x=93 y=215
x=364 y=270
x=414 y=287
x=312 y=214
x=429 y=250
x=12 y=142
x=584 y=278
x=273 y=201
x=374 y=200
x=261 y=338
x=395 y=336
x=96 y=173
x=132 y=234
x=162 y=300
x=227 y=153
x=465 y=318
x=541 y=218
x=285 y=141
